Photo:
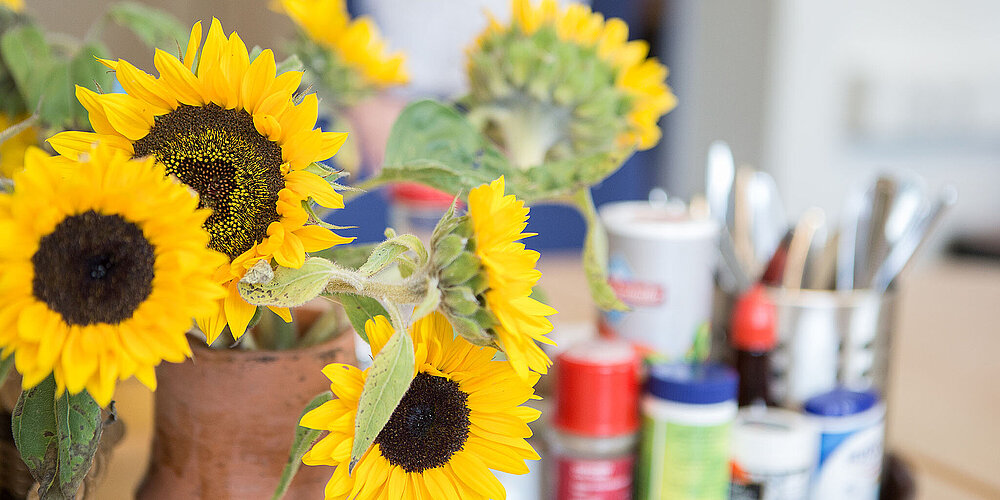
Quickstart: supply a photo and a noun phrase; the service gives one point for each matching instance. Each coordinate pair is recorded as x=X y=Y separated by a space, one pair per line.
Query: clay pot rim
x=201 y=350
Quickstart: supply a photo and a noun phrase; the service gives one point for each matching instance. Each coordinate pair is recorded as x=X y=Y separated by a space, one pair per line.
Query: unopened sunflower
x=231 y=130
x=104 y=264
x=353 y=59
x=487 y=275
x=461 y=417
x=558 y=82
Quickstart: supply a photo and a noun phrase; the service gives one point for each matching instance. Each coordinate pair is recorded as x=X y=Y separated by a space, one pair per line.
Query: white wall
x=861 y=85
x=824 y=93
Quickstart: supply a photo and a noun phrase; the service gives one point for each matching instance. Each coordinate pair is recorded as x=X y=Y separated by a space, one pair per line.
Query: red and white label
x=637 y=293
x=594 y=479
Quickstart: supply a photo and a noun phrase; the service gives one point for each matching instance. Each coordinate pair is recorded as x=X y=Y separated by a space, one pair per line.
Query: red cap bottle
x=752 y=334
x=597 y=391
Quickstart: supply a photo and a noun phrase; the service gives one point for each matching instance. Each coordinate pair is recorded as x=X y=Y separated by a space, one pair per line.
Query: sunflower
x=104 y=265
x=12 y=150
x=14 y=5
x=498 y=223
x=356 y=43
x=233 y=132
x=574 y=71
x=460 y=417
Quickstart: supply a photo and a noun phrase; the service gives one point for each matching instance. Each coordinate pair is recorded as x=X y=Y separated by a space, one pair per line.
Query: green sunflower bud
x=461 y=299
x=461 y=280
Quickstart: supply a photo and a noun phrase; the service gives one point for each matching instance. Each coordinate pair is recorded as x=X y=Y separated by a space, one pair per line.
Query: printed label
x=594 y=479
x=791 y=485
x=850 y=465
x=631 y=291
x=684 y=462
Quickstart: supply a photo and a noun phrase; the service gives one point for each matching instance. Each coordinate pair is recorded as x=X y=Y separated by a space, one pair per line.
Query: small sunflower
x=104 y=263
x=12 y=150
x=460 y=417
x=355 y=44
x=233 y=132
x=498 y=223
x=574 y=71
x=486 y=276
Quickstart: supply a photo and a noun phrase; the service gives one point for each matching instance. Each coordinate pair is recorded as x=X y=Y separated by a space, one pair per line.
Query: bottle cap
x=707 y=383
x=753 y=321
x=841 y=403
x=597 y=389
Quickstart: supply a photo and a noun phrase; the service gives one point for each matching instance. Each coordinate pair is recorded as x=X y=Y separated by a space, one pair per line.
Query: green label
x=683 y=462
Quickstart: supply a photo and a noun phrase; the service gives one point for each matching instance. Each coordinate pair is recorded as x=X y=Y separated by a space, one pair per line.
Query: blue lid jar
x=841 y=403
x=700 y=384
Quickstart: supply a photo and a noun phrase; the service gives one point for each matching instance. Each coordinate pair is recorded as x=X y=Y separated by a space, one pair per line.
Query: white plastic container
x=774 y=454
x=661 y=264
x=852 y=428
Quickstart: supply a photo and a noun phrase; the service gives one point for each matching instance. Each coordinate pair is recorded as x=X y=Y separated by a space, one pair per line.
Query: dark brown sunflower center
x=93 y=268
x=430 y=424
x=235 y=170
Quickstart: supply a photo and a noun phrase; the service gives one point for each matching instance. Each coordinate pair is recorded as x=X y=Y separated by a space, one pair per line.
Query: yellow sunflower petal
x=314 y=186
x=238 y=311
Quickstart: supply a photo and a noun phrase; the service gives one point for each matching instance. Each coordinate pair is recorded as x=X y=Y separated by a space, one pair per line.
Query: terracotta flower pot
x=225 y=421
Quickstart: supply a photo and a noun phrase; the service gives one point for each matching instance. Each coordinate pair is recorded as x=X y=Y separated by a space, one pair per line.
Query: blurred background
x=822 y=95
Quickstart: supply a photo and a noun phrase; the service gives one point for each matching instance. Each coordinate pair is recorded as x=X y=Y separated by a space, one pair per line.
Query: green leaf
x=155 y=27
x=57 y=438
x=304 y=439
x=349 y=256
x=433 y=144
x=291 y=287
x=359 y=310
x=701 y=347
x=6 y=365
x=80 y=426
x=290 y=63
x=382 y=257
x=388 y=380
x=28 y=57
x=595 y=255
x=57 y=100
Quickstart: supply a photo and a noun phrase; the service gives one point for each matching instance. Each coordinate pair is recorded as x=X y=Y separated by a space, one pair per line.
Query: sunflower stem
x=410 y=291
x=528 y=130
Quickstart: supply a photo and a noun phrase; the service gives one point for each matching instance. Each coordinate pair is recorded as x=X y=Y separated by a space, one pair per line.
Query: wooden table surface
x=944 y=395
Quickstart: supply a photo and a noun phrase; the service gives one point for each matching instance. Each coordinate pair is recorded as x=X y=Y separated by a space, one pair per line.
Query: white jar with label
x=774 y=454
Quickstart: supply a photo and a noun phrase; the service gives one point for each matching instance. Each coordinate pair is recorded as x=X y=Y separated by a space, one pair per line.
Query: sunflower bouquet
x=558 y=99
x=193 y=197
